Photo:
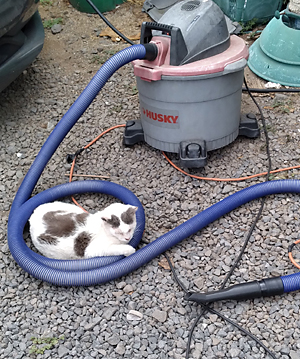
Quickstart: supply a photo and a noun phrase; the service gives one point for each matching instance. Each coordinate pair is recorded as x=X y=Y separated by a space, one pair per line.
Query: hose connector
x=151 y=51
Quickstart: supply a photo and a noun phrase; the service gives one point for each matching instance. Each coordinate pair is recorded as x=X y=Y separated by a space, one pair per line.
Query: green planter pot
x=248 y=10
x=102 y=5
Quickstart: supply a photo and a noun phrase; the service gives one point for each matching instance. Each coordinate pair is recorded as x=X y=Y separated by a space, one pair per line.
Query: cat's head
x=120 y=220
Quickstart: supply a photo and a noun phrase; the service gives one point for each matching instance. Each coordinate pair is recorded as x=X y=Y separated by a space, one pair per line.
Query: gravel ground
x=45 y=321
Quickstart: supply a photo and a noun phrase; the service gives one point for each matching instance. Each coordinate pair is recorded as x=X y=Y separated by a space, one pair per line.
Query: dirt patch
x=80 y=41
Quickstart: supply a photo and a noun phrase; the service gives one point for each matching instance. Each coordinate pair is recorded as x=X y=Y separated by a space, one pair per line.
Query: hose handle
x=249 y=290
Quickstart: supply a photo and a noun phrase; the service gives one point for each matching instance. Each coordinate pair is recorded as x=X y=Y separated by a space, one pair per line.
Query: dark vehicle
x=21 y=37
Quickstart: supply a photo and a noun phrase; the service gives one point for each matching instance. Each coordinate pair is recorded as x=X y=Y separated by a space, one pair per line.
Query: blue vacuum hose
x=100 y=270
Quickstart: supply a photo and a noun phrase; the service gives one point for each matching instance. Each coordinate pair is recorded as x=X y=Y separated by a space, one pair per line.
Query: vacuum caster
x=249 y=126
x=193 y=154
x=133 y=133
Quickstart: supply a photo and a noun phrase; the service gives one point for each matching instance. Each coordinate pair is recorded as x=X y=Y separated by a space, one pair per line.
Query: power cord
x=290 y=250
x=109 y=23
x=257 y=90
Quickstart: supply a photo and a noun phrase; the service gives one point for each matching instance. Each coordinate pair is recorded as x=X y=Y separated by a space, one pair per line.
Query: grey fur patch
x=81 y=218
x=59 y=224
x=128 y=216
x=114 y=221
x=81 y=242
x=46 y=238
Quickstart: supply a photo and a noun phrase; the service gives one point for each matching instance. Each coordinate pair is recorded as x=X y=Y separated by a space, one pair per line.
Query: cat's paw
x=129 y=250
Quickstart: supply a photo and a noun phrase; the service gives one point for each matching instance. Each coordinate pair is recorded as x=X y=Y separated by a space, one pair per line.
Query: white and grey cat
x=64 y=231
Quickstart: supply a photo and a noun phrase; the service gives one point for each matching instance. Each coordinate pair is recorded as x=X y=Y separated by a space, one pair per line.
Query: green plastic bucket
x=248 y=10
x=102 y=5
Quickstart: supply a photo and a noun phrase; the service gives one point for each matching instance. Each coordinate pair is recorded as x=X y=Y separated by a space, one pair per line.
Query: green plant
x=270 y=128
x=271 y=177
x=248 y=25
x=46 y=2
x=284 y=106
x=103 y=57
x=117 y=108
x=41 y=344
x=49 y=23
x=254 y=34
x=134 y=90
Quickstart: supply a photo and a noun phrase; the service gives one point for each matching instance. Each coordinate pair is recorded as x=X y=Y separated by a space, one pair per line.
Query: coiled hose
x=100 y=270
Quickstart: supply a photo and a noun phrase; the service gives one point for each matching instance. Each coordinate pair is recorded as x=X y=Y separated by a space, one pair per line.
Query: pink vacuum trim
x=154 y=70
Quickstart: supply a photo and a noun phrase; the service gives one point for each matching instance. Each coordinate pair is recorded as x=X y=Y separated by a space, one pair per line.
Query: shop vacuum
x=190 y=95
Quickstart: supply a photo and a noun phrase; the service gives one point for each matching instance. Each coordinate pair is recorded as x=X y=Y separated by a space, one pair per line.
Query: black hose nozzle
x=249 y=290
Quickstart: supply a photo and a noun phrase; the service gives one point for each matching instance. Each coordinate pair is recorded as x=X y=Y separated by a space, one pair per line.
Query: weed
x=283 y=107
x=263 y=148
x=270 y=128
x=46 y=2
x=134 y=90
x=49 y=23
x=289 y=139
x=254 y=34
x=117 y=108
x=248 y=25
x=110 y=52
x=103 y=57
x=41 y=344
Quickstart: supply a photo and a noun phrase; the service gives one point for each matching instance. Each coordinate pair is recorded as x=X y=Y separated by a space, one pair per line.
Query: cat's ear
x=112 y=220
x=135 y=208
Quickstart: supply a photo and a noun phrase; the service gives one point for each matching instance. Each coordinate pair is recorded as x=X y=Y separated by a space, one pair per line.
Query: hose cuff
x=151 y=51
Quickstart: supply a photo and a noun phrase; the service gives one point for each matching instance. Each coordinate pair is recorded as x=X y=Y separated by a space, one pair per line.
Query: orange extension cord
x=291 y=256
x=190 y=175
x=84 y=148
x=229 y=179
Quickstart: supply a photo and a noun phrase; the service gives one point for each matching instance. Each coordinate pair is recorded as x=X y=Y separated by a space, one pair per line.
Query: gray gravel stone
x=62 y=351
x=159 y=315
x=120 y=349
x=92 y=324
x=56 y=28
x=294 y=355
x=109 y=312
x=113 y=340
